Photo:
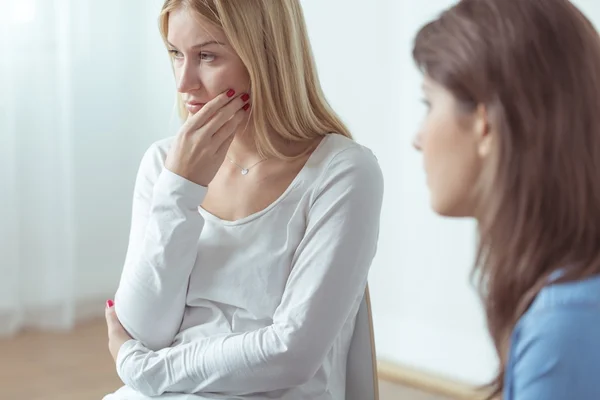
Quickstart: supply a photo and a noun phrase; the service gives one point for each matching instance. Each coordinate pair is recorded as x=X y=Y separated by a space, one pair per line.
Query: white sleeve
x=324 y=289
x=163 y=245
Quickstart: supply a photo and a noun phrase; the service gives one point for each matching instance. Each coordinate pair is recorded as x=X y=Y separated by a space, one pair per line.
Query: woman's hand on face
x=117 y=335
x=202 y=142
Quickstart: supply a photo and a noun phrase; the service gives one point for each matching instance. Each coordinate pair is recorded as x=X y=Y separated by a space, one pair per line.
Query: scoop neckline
x=209 y=216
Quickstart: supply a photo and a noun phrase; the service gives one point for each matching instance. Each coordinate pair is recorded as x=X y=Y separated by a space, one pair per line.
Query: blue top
x=555 y=347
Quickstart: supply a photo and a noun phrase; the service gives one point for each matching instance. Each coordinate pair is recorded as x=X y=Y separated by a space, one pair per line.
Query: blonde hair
x=270 y=38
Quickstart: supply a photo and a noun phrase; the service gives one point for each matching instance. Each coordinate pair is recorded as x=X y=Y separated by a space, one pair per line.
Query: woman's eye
x=207 y=57
x=176 y=53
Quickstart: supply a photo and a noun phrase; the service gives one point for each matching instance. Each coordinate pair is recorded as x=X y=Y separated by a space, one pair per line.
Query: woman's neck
x=243 y=149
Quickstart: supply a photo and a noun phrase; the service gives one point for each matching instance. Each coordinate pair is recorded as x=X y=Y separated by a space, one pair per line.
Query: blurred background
x=86 y=87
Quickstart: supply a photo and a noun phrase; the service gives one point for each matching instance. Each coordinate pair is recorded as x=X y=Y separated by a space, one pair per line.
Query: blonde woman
x=253 y=230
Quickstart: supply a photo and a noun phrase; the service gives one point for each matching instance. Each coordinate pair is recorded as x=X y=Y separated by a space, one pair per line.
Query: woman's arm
x=166 y=224
x=557 y=354
x=323 y=291
x=163 y=245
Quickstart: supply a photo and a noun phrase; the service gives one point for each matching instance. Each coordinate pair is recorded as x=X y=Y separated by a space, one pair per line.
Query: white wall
x=85 y=87
x=425 y=312
x=124 y=92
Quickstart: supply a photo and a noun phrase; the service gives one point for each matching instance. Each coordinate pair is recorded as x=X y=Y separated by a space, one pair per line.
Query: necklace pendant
x=244 y=171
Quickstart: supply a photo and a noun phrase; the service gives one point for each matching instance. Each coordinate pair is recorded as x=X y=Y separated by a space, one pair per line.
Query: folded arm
x=163 y=245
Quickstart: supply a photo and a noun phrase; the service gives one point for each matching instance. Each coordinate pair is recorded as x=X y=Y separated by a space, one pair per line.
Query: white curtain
x=85 y=87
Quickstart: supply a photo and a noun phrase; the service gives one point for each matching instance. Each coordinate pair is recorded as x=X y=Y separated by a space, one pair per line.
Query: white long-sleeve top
x=258 y=308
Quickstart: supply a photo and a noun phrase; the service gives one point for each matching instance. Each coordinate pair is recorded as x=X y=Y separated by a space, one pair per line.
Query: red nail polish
x=110 y=303
x=246 y=107
x=230 y=93
x=245 y=97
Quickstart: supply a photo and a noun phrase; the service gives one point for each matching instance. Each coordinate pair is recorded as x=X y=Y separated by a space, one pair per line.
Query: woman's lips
x=194 y=107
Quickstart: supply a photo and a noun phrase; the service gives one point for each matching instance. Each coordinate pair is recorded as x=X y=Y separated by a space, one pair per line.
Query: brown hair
x=535 y=66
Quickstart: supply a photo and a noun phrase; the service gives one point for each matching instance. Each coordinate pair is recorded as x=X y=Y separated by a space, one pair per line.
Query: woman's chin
x=451 y=209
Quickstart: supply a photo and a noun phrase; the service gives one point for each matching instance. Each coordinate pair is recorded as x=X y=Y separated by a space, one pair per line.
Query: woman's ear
x=482 y=131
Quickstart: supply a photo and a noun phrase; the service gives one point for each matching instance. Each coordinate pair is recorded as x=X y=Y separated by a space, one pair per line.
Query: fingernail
x=246 y=106
x=109 y=303
x=230 y=93
x=245 y=97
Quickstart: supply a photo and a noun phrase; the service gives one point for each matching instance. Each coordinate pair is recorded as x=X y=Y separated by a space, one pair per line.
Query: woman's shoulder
x=158 y=150
x=338 y=154
x=153 y=160
x=555 y=347
x=344 y=175
x=563 y=320
x=557 y=295
x=564 y=301
x=334 y=145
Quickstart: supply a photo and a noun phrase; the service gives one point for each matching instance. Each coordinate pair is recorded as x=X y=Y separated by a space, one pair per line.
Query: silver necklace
x=245 y=170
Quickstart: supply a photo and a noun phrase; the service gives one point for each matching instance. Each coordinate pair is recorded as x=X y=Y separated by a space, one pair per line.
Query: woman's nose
x=188 y=79
x=417 y=142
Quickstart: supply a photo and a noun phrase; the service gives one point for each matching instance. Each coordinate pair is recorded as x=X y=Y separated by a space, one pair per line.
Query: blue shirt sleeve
x=556 y=355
